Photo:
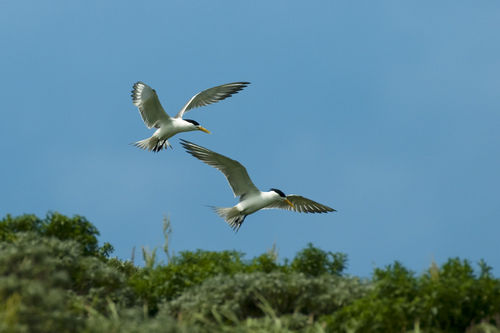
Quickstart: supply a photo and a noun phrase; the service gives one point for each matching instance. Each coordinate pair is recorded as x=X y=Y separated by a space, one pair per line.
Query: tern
x=251 y=198
x=153 y=114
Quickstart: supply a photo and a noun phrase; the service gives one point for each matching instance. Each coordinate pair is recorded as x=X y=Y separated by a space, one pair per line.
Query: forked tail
x=152 y=144
x=231 y=215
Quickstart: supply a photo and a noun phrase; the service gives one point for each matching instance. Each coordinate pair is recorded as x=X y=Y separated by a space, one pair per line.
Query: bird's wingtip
x=184 y=142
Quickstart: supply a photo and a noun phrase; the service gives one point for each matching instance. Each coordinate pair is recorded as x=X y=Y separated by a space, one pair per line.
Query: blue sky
x=388 y=111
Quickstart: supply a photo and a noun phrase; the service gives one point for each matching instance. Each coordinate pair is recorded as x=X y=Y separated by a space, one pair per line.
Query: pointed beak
x=204 y=130
x=290 y=203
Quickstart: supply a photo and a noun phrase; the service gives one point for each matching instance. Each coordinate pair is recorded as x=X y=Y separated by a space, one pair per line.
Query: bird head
x=197 y=126
x=283 y=196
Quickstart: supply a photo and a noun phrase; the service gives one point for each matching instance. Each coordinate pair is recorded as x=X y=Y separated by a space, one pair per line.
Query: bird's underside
x=153 y=144
x=233 y=217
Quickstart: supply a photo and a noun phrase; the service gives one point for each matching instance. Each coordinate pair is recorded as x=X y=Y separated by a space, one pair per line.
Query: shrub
x=314 y=262
x=56 y=225
x=447 y=299
x=154 y=284
x=455 y=297
x=48 y=283
x=286 y=293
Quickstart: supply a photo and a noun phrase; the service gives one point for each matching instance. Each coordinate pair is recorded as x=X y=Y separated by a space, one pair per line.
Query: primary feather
x=301 y=205
x=212 y=95
x=236 y=174
x=149 y=105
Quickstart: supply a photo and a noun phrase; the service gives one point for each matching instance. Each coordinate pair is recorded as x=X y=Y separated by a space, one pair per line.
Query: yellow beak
x=290 y=203
x=204 y=130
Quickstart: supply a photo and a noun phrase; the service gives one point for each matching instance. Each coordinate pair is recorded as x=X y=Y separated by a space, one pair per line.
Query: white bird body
x=251 y=198
x=170 y=127
x=257 y=201
x=153 y=114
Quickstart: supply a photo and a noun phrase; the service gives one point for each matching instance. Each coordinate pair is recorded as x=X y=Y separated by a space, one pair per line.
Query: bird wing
x=301 y=205
x=212 y=95
x=235 y=173
x=149 y=105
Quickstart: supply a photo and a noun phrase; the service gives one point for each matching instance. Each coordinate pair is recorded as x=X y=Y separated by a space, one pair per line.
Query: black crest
x=279 y=192
x=194 y=122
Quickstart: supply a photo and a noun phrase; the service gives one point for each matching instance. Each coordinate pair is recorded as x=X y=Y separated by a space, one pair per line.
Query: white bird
x=251 y=198
x=153 y=114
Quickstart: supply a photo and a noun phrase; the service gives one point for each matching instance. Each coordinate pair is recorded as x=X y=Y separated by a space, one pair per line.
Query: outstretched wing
x=235 y=173
x=301 y=205
x=149 y=105
x=212 y=95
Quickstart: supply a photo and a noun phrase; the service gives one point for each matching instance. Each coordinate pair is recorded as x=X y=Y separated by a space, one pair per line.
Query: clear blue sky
x=388 y=111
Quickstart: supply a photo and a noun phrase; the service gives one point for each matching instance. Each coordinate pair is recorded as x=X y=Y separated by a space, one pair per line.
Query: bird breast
x=172 y=127
x=180 y=125
x=251 y=204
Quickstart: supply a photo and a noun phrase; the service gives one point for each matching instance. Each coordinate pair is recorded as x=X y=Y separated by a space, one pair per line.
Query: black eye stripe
x=279 y=192
x=194 y=122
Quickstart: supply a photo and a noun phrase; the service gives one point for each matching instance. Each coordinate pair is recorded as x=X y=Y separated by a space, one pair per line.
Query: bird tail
x=152 y=144
x=231 y=215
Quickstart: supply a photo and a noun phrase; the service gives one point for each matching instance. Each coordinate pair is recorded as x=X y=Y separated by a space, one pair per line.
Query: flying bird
x=153 y=114
x=251 y=198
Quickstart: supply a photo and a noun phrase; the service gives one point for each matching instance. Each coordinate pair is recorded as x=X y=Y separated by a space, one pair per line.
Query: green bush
x=48 y=283
x=286 y=293
x=314 y=262
x=54 y=277
x=134 y=320
x=56 y=225
x=159 y=283
x=455 y=297
x=154 y=284
x=447 y=299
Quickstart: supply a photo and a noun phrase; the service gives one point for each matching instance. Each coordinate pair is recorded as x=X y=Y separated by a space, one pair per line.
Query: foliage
x=46 y=284
x=447 y=299
x=154 y=284
x=76 y=228
x=455 y=297
x=157 y=283
x=54 y=277
x=286 y=293
x=314 y=262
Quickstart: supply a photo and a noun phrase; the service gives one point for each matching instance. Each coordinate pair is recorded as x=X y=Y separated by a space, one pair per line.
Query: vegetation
x=55 y=277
